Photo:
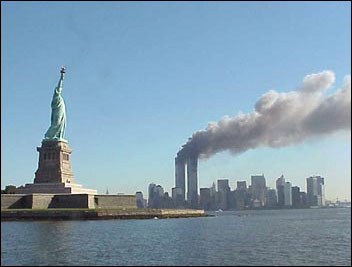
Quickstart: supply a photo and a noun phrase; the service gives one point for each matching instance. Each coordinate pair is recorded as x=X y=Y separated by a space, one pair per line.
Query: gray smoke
x=279 y=119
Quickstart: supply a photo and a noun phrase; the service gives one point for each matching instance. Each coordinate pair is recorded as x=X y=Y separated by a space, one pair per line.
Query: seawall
x=96 y=214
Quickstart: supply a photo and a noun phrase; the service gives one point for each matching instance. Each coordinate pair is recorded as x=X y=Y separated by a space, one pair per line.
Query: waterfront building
x=258 y=188
x=223 y=194
x=140 y=201
x=315 y=191
x=192 y=181
x=241 y=185
x=296 y=203
x=280 y=184
x=155 y=194
x=303 y=199
x=271 y=198
x=205 y=198
x=231 y=200
x=177 y=197
x=288 y=194
x=151 y=194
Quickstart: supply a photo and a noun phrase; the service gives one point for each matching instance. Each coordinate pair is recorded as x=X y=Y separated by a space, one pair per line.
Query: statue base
x=54 y=164
x=54 y=188
x=54 y=174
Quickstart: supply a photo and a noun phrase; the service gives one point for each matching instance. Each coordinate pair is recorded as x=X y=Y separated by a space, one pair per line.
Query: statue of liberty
x=58 y=114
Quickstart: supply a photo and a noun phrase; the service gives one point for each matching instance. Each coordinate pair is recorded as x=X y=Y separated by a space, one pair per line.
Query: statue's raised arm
x=58 y=113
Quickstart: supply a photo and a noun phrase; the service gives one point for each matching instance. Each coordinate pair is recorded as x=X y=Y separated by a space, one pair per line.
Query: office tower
x=280 y=184
x=271 y=198
x=178 y=197
x=296 y=197
x=315 y=191
x=288 y=194
x=140 y=201
x=242 y=196
x=180 y=184
x=166 y=201
x=192 y=182
x=241 y=185
x=213 y=196
x=258 y=189
x=155 y=196
x=231 y=200
x=151 y=194
x=213 y=189
x=223 y=194
x=303 y=199
x=205 y=198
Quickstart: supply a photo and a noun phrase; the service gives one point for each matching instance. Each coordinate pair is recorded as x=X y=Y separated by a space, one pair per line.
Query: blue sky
x=143 y=76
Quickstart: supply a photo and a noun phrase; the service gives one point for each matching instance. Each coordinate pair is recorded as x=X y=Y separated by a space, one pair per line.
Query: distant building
x=280 y=185
x=242 y=196
x=140 y=201
x=213 y=196
x=166 y=201
x=223 y=194
x=192 y=182
x=205 y=199
x=177 y=197
x=213 y=190
x=180 y=180
x=296 y=203
x=241 y=185
x=288 y=194
x=303 y=199
x=231 y=200
x=155 y=196
x=315 y=191
x=271 y=198
x=151 y=194
x=258 y=188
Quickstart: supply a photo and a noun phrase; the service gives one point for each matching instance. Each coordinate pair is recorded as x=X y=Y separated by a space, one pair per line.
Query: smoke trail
x=279 y=119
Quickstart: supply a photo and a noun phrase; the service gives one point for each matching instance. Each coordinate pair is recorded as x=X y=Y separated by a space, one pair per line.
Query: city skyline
x=141 y=81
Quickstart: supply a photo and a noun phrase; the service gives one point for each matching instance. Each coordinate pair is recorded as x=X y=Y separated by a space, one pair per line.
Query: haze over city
x=145 y=78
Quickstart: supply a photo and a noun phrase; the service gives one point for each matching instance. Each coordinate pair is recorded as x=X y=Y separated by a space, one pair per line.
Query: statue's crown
x=63 y=70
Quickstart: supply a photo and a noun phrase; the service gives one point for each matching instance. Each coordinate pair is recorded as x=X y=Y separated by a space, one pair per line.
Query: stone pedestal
x=54 y=188
x=54 y=163
x=54 y=174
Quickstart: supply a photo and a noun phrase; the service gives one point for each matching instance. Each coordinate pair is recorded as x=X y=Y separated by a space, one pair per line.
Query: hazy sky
x=142 y=77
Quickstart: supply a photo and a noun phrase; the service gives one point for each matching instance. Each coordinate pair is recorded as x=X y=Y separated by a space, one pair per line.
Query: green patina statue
x=58 y=114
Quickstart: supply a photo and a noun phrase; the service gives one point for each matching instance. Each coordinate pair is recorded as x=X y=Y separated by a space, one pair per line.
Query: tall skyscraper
x=151 y=194
x=140 y=201
x=271 y=198
x=280 y=184
x=213 y=190
x=315 y=191
x=288 y=194
x=192 y=182
x=258 y=188
x=296 y=203
x=223 y=194
x=205 y=198
x=241 y=185
x=180 y=183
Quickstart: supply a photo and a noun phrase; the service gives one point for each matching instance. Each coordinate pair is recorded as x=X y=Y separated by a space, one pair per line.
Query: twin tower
x=180 y=181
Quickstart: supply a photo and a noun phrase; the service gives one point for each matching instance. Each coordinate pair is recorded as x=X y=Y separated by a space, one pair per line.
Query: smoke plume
x=279 y=119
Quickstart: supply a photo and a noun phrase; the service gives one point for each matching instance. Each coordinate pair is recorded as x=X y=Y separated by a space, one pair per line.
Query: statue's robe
x=58 y=116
